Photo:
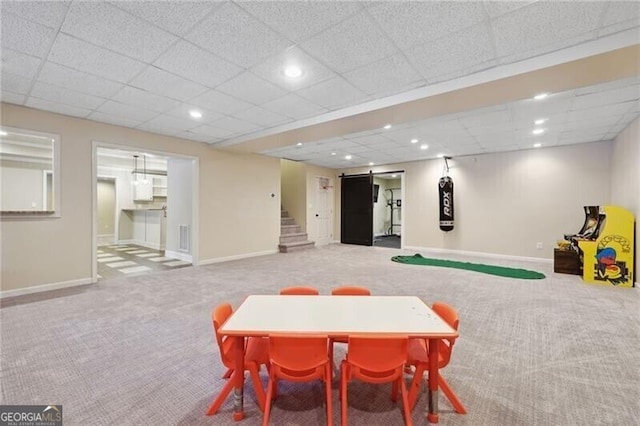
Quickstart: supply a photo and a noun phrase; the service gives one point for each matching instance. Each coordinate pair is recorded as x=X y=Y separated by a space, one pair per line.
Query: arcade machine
x=603 y=251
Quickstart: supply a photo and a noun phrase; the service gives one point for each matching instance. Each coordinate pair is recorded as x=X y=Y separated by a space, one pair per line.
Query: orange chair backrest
x=447 y=313
x=219 y=316
x=296 y=357
x=377 y=359
x=299 y=291
x=351 y=290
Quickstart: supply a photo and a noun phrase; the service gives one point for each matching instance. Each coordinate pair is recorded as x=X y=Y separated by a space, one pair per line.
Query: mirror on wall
x=29 y=181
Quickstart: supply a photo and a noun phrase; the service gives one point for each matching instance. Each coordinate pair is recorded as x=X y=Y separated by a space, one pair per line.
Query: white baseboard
x=177 y=255
x=44 y=287
x=146 y=244
x=237 y=257
x=125 y=242
x=477 y=253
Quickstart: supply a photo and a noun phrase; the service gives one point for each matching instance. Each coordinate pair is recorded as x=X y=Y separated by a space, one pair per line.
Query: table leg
x=238 y=378
x=432 y=414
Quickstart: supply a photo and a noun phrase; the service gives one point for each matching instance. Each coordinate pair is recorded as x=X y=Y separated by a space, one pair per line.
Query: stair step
x=287 y=221
x=295 y=246
x=289 y=229
x=295 y=237
x=284 y=213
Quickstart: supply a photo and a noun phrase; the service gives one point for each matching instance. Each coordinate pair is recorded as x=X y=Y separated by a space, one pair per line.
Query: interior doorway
x=145 y=212
x=324 y=210
x=387 y=211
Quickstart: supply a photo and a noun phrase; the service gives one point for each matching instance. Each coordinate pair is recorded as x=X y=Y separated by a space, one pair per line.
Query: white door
x=324 y=210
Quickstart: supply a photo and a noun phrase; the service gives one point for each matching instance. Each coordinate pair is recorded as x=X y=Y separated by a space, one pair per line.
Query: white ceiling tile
x=168 y=124
x=212 y=131
x=77 y=80
x=12 y=98
x=183 y=112
x=333 y=94
x=18 y=63
x=82 y=56
x=105 y=25
x=466 y=51
x=164 y=83
x=47 y=13
x=622 y=11
x=219 y=102
x=500 y=7
x=542 y=24
x=234 y=125
x=65 y=96
x=608 y=97
x=15 y=83
x=387 y=76
x=262 y=117
x=352 y=43
x=633 y=83
x=601 y=112
x=272 y=69
x=251 y=88
x=26 y=36
x=236 y=36
x=121 y=110
x=57 y=107
x=175 y=17
x=295 y=107
x=188 y=134
x=113 y=119
x=300 y=20
x=140 y=98
x=191 y=62
x=416 y=23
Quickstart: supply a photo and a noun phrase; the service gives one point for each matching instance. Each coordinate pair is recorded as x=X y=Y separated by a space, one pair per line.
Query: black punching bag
x=445 y=187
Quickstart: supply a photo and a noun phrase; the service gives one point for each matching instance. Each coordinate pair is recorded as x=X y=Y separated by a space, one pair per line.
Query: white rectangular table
x=336 y=316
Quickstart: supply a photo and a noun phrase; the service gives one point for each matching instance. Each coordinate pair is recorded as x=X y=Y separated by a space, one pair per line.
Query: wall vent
x=185 y=237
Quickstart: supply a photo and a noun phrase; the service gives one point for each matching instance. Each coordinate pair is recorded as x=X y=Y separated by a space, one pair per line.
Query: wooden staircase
x=291 y=237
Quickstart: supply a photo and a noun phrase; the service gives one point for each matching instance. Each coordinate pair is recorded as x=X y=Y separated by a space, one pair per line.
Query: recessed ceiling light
x=299 y=144
x=333 y=153
x=347 y=157
x=424 y=146
x=195 y=113
x=537 y=145
x=3 y=133
x=440 y=155
x=371 y=164
x=540 y=96
x=394 y=175
x=538 y=131
x=292 y=71
x=387 y=127
x=414 y=140
x=540 y=121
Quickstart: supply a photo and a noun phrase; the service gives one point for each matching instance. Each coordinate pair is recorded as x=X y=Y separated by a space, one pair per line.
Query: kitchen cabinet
x=142 y=190
x=149 y=227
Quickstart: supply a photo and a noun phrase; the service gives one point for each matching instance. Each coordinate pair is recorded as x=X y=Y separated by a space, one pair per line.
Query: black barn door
x=356 y=224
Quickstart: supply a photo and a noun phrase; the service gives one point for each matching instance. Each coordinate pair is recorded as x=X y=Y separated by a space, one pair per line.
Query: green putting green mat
x=501 y=271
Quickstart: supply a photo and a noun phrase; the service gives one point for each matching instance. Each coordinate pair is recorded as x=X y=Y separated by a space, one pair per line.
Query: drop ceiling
x=145 y=65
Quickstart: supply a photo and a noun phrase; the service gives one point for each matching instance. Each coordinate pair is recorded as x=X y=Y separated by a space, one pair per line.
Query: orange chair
x=347 y=290
x=350 y=290
x=298 y=359
x=376 y=360
x=418 y=356
x=256 y=353
x=299 y=291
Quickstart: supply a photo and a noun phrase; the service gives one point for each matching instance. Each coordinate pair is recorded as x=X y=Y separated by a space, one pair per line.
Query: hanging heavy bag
x=445 y=190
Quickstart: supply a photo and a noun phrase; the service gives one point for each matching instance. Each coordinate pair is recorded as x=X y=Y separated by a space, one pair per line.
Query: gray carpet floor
x=140 y=350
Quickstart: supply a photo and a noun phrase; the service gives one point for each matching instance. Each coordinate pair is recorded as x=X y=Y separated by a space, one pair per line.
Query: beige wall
x=106 y=207
x=625 y=173
x=293 y=184
x=508 y=202
x=237 y=215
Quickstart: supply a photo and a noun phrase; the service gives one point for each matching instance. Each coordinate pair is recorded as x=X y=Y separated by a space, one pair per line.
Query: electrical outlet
x=538 y=246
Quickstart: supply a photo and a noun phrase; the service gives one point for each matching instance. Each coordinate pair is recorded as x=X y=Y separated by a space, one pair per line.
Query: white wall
x=179 y=202
x=508 y=202
x=21 y=186
x=625 y=174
